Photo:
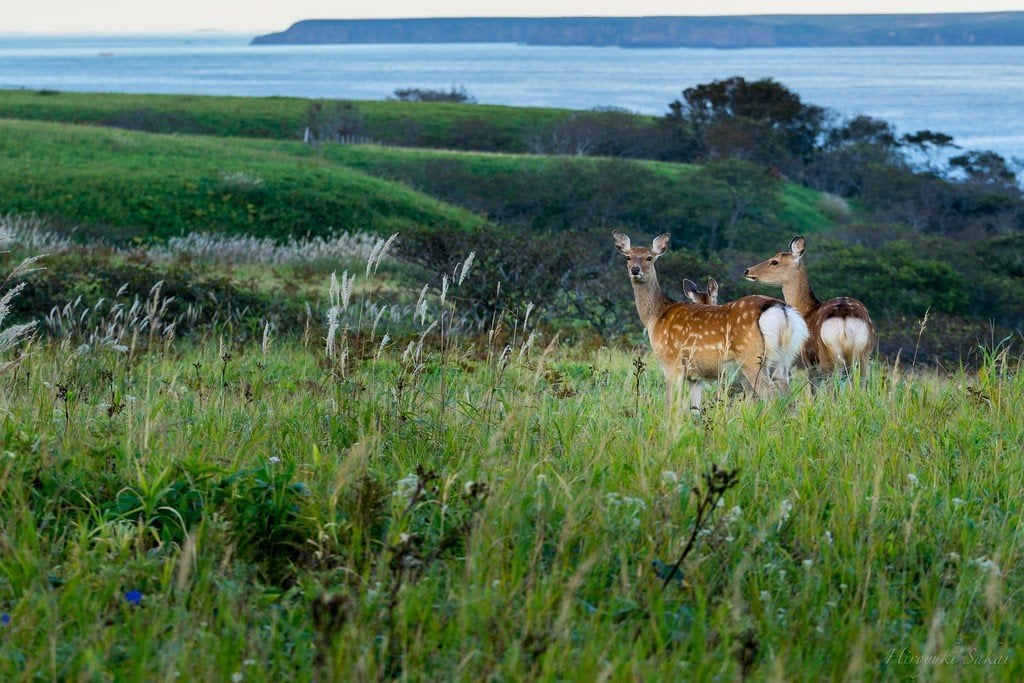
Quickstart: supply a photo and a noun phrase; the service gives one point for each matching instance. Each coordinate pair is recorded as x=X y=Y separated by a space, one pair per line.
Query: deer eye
x=650 y=258
x=775 y=262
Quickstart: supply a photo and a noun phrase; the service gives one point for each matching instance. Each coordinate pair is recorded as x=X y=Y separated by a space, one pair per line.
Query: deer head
x=640 y=260
x=693 y=293
x=781 y=268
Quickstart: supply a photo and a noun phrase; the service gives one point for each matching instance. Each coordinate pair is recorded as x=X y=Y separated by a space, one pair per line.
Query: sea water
x=975 y=94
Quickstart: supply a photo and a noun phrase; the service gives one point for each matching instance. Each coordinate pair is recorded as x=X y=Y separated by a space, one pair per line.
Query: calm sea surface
x=975 y=94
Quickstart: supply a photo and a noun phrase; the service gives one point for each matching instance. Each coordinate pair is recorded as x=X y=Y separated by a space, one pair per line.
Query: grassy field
x=126 y=183
x=273 y=117
x=388 y=497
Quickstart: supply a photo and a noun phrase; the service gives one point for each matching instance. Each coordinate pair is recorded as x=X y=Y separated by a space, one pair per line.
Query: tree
x=772 y=122
x=734 y=201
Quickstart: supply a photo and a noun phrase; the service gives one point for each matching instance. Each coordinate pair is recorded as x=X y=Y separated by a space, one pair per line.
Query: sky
x=118 y=16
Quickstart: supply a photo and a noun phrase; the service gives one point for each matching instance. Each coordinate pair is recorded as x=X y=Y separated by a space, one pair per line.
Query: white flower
x=785 y=507
x=734 y=515
x=987 y=565
x=766 y=596
x=249 y=662
x=406 y=487
x=273 y=460
x=808 y=563
x=828 y=537
x=237 y=677
x=669 y=477
x=912 y=478
x=957 y=502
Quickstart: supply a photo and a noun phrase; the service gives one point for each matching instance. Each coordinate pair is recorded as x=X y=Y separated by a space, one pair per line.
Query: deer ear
x=690 y=290
x=622 y=244
x=796 y=247
x=712 y=287
x=661 y=244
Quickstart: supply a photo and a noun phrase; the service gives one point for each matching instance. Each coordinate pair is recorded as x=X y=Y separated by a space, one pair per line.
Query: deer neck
x=650 y=302
x=798 y=293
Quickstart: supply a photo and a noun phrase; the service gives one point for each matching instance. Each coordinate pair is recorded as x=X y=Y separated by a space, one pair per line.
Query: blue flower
x=134 y=597
x=5 y=619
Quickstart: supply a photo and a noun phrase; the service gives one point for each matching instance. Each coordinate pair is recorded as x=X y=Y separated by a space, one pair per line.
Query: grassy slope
x=264 y=117
x=136 y=183
x=163 y=185
x=261 y=521
x=800 y=204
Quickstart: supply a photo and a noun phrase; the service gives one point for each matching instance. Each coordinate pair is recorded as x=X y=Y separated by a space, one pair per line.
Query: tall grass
x=448 y=506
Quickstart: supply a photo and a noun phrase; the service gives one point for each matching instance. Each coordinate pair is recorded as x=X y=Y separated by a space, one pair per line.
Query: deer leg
x=757 y=375
x=780 y=378
x=695 y=396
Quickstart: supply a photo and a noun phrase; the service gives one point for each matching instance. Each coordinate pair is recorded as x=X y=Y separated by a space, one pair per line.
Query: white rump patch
x=845 y=338
x=784 y=333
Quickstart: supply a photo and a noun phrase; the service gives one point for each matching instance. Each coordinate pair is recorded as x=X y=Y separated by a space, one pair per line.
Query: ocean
x=975 y=94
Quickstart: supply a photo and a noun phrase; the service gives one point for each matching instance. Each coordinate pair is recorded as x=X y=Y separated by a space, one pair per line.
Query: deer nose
x=746 y=272
x=635 y=270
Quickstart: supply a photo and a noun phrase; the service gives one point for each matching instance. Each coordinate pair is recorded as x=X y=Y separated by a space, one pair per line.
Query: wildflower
x=957 y=502
x=785 y=507
x=5 y=619
x=274 y=460
x=987 y=565
x=134 y=597
x=669 y=477
x=912 y=478
x=828 y=537
x=237 y=677
x=406 y=487
x=766 y=596
x=808 y=563
x=249 y=662
x=734 y=515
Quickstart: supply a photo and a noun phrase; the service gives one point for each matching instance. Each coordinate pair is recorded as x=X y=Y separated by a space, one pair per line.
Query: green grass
x=270 y=117
x=800 y=205
x=260 y=502
x=125 y=184
x=129 y=183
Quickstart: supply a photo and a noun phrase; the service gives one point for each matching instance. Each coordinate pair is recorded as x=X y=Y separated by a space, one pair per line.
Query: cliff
x=990 y=28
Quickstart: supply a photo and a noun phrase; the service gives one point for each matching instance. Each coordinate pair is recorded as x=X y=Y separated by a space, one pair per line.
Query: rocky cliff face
x=992 y=28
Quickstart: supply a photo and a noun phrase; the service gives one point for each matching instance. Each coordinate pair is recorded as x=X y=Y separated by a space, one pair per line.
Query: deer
x=695 y=343
x=708 y=297
x=842 y=334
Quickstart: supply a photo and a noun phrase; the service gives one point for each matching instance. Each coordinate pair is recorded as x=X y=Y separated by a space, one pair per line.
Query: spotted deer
x=708 y=297
x=697 y=342
x=842 y=335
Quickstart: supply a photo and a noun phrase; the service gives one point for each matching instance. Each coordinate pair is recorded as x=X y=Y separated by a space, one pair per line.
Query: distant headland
x=726 y=32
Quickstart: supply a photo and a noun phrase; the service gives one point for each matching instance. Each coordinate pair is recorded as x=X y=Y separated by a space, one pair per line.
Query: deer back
x=701 y=338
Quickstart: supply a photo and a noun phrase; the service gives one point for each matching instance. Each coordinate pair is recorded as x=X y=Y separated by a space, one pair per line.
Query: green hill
x=432 y=124
x=130 y=184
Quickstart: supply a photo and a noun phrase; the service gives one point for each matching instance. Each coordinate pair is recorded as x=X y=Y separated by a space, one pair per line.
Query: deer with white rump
x=842 y=334
x=696 y=342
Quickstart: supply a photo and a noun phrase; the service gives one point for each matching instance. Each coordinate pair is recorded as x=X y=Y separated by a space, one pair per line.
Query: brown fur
x=694 y=342
x=787 y=270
